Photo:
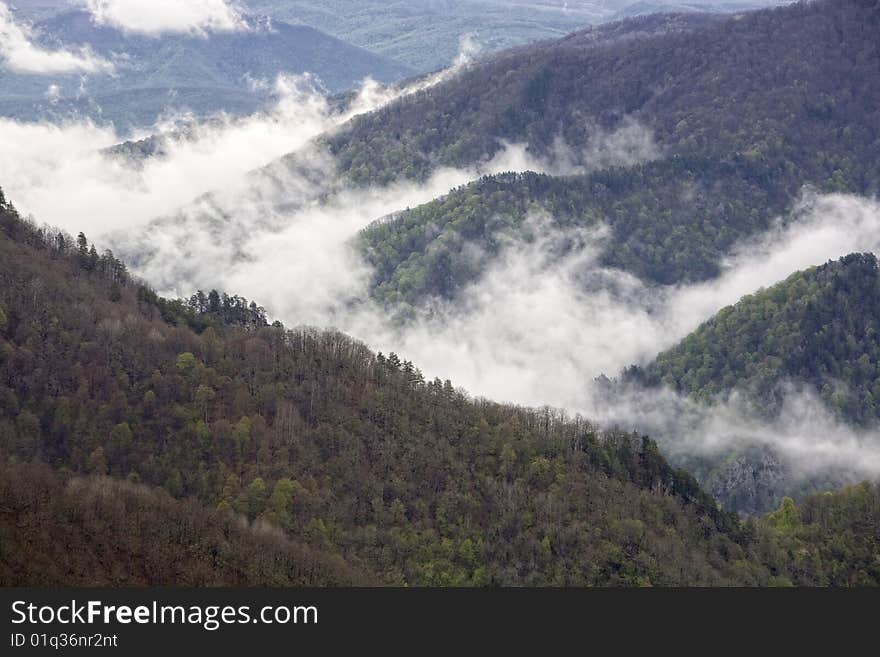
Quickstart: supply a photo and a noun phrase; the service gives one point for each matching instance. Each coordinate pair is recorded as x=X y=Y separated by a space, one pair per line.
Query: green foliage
x=804 y=97
x=280 y=505
x=121 y=436
x=670 y=221
x=97 y=462
x=186 y=363
x=820 y=326
x=357 y=463
x=62 y=530
x=786 y=518
x=832 y=539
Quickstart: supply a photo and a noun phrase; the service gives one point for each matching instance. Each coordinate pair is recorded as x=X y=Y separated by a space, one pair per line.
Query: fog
x=218 y=210
x=20 y=54
x=155 y=17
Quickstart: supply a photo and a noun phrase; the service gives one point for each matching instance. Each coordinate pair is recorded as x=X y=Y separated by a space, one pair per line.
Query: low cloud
x=60 y=175
x=628 y=144
x=546 y=320
x=469 y=48
x=155 y=17
x=21 y=55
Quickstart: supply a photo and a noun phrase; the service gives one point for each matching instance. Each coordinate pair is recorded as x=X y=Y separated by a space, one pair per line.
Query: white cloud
x=468 y=48
x=154 y=17
x=53 y=93
x=20 y=54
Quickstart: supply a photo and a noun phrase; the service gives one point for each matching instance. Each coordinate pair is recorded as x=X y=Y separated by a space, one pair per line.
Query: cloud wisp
x=156 y=17
x=20 y=54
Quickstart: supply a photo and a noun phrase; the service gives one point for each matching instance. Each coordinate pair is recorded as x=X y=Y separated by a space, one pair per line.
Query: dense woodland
x=781 y=86
x=243 y=453
x=746 y=112
x=657 y=213
x=819 y=326
x=58 y=529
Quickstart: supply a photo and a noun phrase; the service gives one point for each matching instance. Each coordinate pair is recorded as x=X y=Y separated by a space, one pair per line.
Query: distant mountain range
x=227 y=71
x=426 y=34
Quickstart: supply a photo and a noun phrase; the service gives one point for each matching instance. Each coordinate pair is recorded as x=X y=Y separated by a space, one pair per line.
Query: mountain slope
x=425 y=34
x=61 y=530
x=775 y=85
x=733 y=116
x=352 y=453
x=203 y=73
x=819 y=327
x=365 y=472
x=671 y=221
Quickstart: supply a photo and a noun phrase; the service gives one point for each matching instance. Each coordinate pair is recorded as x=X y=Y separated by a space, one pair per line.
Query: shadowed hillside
x=727 y=122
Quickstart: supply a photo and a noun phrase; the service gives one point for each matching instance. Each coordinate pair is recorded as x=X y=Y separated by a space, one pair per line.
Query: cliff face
x=751 y=482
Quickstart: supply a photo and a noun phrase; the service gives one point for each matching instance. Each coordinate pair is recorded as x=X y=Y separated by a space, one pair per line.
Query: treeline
x=657 y=213
x=794 y=88
x=356 y=455
x=201 y=311
x=819 y=326
x=832 y=539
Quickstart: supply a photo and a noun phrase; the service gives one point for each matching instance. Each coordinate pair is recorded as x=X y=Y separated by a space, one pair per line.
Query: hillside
x=727 y=121
x=657 y=213
x=61 y=530
x=351 y=452
x=202 y=74
x=344 y=465
x=747 y=85
x=426 y=34
x=819 y=326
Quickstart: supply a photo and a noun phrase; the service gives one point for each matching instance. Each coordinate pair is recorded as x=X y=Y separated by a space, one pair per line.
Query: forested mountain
x=360 y=464
x=742 y=113
x=657 y=212
x=426 y=34
x=774 y=86
x=819 y=327
x=201 y=73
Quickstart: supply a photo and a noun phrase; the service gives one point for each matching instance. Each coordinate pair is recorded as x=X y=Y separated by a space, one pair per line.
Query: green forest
x=657 y=213
x=819 y=326
x=133 y=428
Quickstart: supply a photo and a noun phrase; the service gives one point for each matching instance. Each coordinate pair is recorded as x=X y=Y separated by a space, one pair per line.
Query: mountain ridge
x=818 y=327
x=737 y=141
x=211 y=73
